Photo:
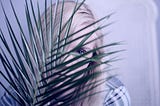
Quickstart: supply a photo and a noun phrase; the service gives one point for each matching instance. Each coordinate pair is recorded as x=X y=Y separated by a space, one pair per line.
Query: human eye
x=81 y=51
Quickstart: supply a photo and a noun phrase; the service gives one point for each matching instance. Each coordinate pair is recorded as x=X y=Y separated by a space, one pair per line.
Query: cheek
x=77 y=61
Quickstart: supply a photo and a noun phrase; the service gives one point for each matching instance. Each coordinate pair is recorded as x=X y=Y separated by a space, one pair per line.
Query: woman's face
x=84 y=48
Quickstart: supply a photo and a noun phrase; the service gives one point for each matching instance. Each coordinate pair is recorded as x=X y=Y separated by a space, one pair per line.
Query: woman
x=116 y=94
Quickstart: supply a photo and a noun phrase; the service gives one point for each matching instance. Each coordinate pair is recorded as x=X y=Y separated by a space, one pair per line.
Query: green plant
x=33 y=77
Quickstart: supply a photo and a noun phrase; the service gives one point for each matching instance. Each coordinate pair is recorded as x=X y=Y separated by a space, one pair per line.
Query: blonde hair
x=83 y=15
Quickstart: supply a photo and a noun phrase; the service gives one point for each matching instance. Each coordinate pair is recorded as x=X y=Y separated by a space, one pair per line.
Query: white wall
x=135 y=24
x=158 y=24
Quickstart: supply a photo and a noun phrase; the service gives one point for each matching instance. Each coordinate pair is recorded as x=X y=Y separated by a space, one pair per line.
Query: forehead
x=83 y=32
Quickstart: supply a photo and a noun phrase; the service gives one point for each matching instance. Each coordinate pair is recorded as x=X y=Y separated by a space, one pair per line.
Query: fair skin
x=83 y=49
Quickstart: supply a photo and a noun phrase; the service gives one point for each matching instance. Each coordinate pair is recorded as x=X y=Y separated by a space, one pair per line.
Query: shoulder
x=118 y=94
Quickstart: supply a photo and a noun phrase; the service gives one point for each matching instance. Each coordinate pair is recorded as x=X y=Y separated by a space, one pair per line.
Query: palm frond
x=38 y=71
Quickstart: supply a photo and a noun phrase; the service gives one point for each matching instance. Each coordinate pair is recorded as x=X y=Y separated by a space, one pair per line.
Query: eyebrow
x=88 y=48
